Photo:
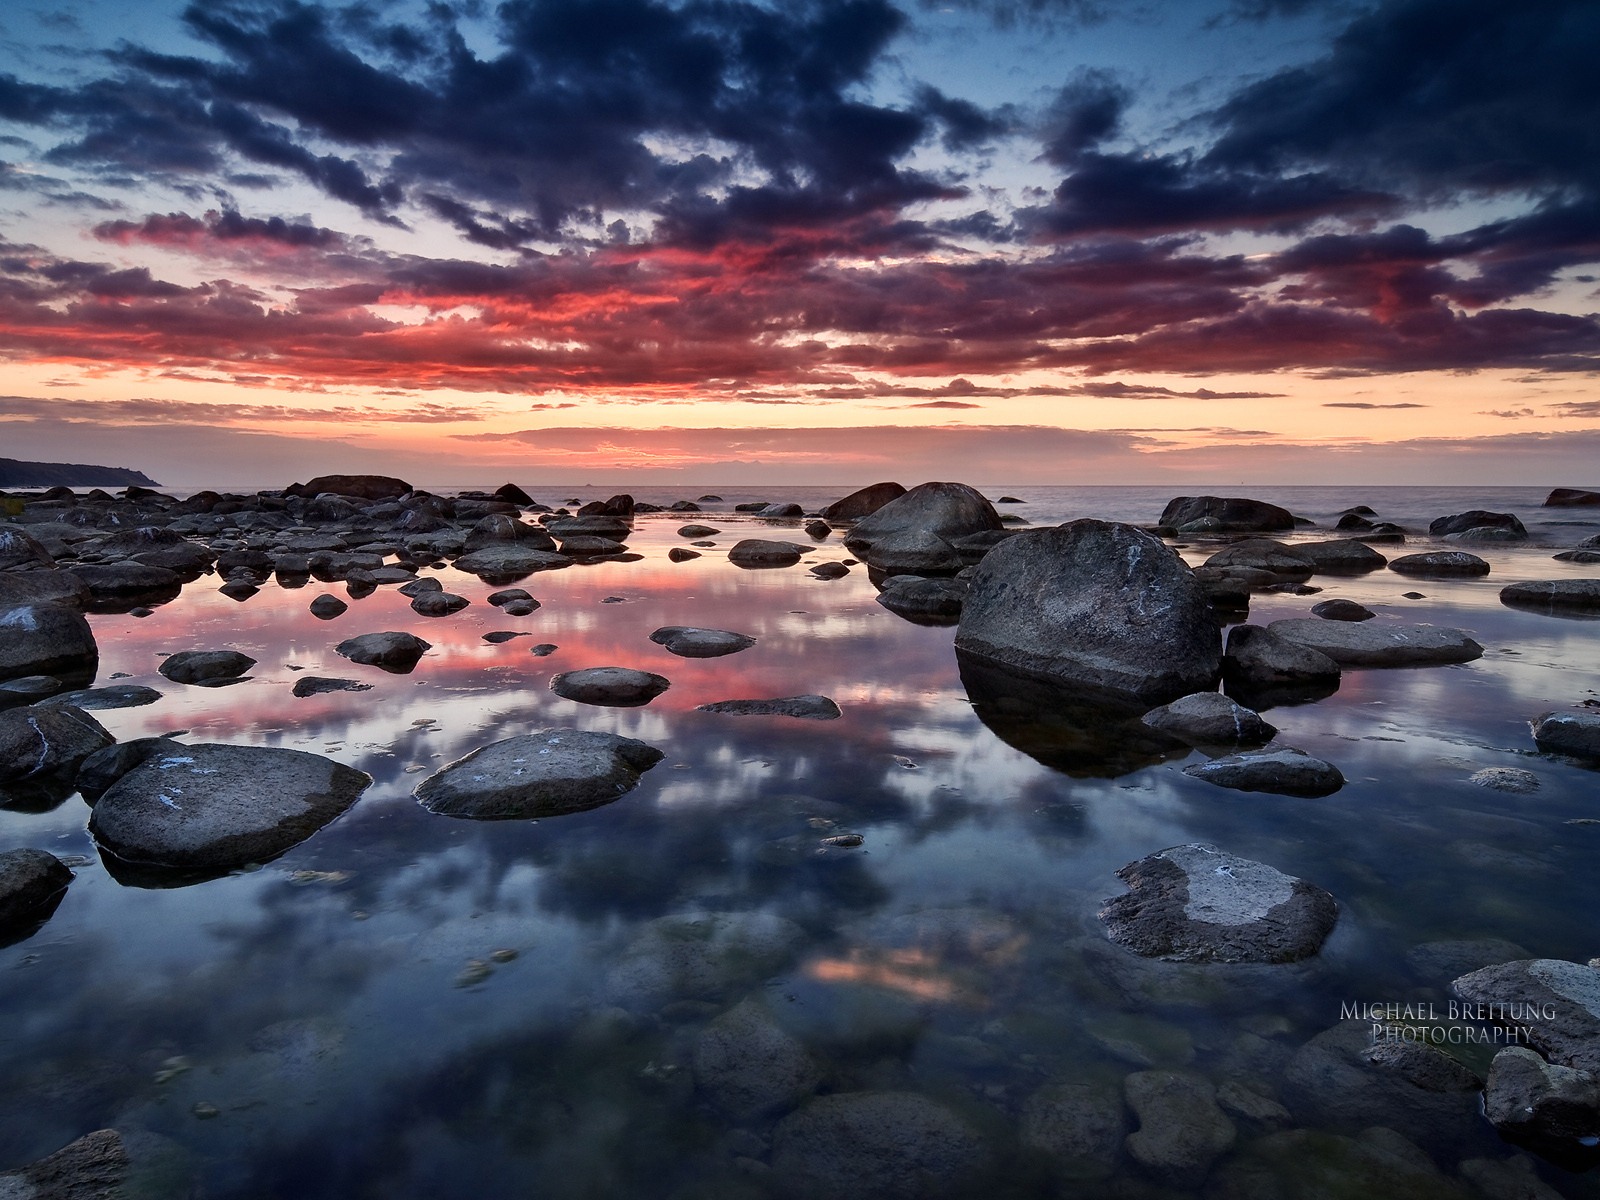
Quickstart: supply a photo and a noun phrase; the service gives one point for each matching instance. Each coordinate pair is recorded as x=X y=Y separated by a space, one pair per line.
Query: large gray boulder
x=750 y=1066
x=1554 y=595
x=946 y=510
x=41 y=741
x=1571 y=497
x=542 y=774
x=1342 y=556
x=213 y=807
x=1261 y=659
x=18 y=548
x=1195 y=903
x=1093 y=605
x=46 y=639
x=874 y=1146
x=863 y=502
x=1576 y=733
x=1378 y=643
x=1283 y=770
x=1264 y=554
x=1223 y=514
x=1476 y=519
x=362 y=487
x=394 y=651
x=1550 y=1109
x=205 y=666
x=914 y=552
x=1552 y=1003
x=614 y=687
x=31 y=882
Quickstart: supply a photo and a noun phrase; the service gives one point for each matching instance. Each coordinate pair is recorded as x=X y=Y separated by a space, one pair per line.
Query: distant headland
x=14 y=473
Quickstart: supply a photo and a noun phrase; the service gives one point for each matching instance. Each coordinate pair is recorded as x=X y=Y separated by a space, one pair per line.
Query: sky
x=1205 y=242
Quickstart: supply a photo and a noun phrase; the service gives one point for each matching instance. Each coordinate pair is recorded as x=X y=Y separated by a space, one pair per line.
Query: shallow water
x=342 y=1010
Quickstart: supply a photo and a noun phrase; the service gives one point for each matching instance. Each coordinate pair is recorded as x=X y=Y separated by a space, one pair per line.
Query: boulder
x=1093 y=605
x=512 y=493
x=617 y=506
x=1553 y=1004
x=42 y=587
x=31 y=883
x=593 y=525
x=759 y=552
x=42 y=741
x=114 y=695
x=1342 y=610
x=1378 y=644
x=1576 y=733
x=546 y=773
x=326 y=607
x=211 y=807
x=1258 y=661
x=819 y=530
x=780 y=510
x=1474 y=520
x=509 y=560
x=1304 y=1164
x=1550 y=1109
x=1181 y=1130
x=363 y=487
x=913 y=552
x=680 y=554
x=502 y=528
x=395 y=652
x=110 y=763
x=95 y=1167
x=1195 y=903
x=46 y=639
x=816 y=708
x=205 y=666
x=614 y=687
x=748 y=1065
x=863 y=502
x=698 y=531
x=588 y=545
x=920 y=600
x=1264 y=554
x=947 y=510
x=1570 y=497
x=438 y=604
x=18 y=548
x=317 y=685
x=112 y=581
x=1216 y=514
x=1284 y=771
x=1554 y=595
x=1440 y=564
x=1342 y=556
x=688 y=642
x=830 y=570
x=1209 y=719
x=1080 y=1126
x=875 y=1146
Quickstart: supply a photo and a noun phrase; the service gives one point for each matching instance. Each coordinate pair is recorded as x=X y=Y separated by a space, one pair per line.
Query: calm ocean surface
x=338 y=1023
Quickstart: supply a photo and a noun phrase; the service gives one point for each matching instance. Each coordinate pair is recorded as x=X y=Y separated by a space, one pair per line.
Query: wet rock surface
x=614 y=687
x=95 y=1167
x=45 y=639
x=542 y=774
x=1181 y=1130
x=396 y=652
x=690 y=642
x=213 y=807
x=762 y=552
x=750 y=1066
x=1209 y=718
x=1575 y=733
x=41 y=741
x=815 y=708
x=945 y=510
x=1195 y=903
x=1342 y=610
x=1553 y=1110
x=1283 y=770
x=1378 y=644
x=927 y=601
x=1555 y=1003
x=205 y=666
x=1219 y=514
x=1440 y=564
x=1566 y=595
x=31 y=881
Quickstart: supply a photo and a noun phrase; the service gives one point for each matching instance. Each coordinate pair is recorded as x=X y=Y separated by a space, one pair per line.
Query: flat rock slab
x=114 y=695
x=614 y=687
x=29 y=881
x=688 y=642
x=1195 y=903
x=1556 y=1003
x=205 y=666
x=500 y=559
x=214 y=807
x=1342 y=556
x=1285 y=771
x=1568 y=595
x=1209 y=719
x=1440 y=564
x=874 y=1146
x=317 y=685
x=815 y=708
x=1378 y=644
x=1574 y=733
x=760 y=552
x=542 y=774
x=395 y=652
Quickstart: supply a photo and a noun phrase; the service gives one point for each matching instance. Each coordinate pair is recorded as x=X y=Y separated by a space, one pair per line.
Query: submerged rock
x=1195 y=903
x=688 y=642
x=1378 y=644
x=1576 y=733
x=1079 y=1125
x=614 y=687
x=1304 y=1164
x=1181 y=1130
x=750 y=1066
x=1093 y=605
x=212 y=807
x=1513 y=780
x=317 y=685
x=1284 y=771
x=700 y=955
x=816 y=708
x=874 y=1146
x=1209 y=719
x=542 y=774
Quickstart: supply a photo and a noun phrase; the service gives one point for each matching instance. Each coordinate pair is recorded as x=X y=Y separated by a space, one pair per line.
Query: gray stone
x=1304 y=1164
x=326 y=607
x=698 y=531
x=1550 y=1109
x=317 y=685
x=18 y=548
x=913 y=552
x=1379 y=644
x=396 y=652
x=29 y=688
x=587 y=545
x=1209 y=719
x=42 y=587
x=680 y=554
x=1284 y=771
x=1574 y=732
x=109 y=764
x=1195 y=903
x=614 y=687
x=820 y=530
x=1563 y=595
x=830 y=570
x=114 y=695
x=205 y=666
x=863 y=502
x=946 y=510
x=1477 y=519
x=542 y=774
x=750 y=1066
x=780 y=510
x=46 y=639
x=1219 y=514
x=760 y=552
x=111 y=580
x=1080 y=1126
x=1567 y=497
x=503 y=528
x=30 y=882
x=502 y=597
x=1555 y=1005
x=213 y=807
x=95 y=1167
x=1264 y=554
x=438 y=604
x=509 y=559
x=1093 y=605
x=1342 y=610
x=42 y=741
x=927 y=601
x=1341 y=556
x=689 y=642
x=1259 y=657
x=1181 y=1130
x=1440 y=564
x=701 y=955
x=1506 y=779
x=874 y=1146
x=816 y=708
